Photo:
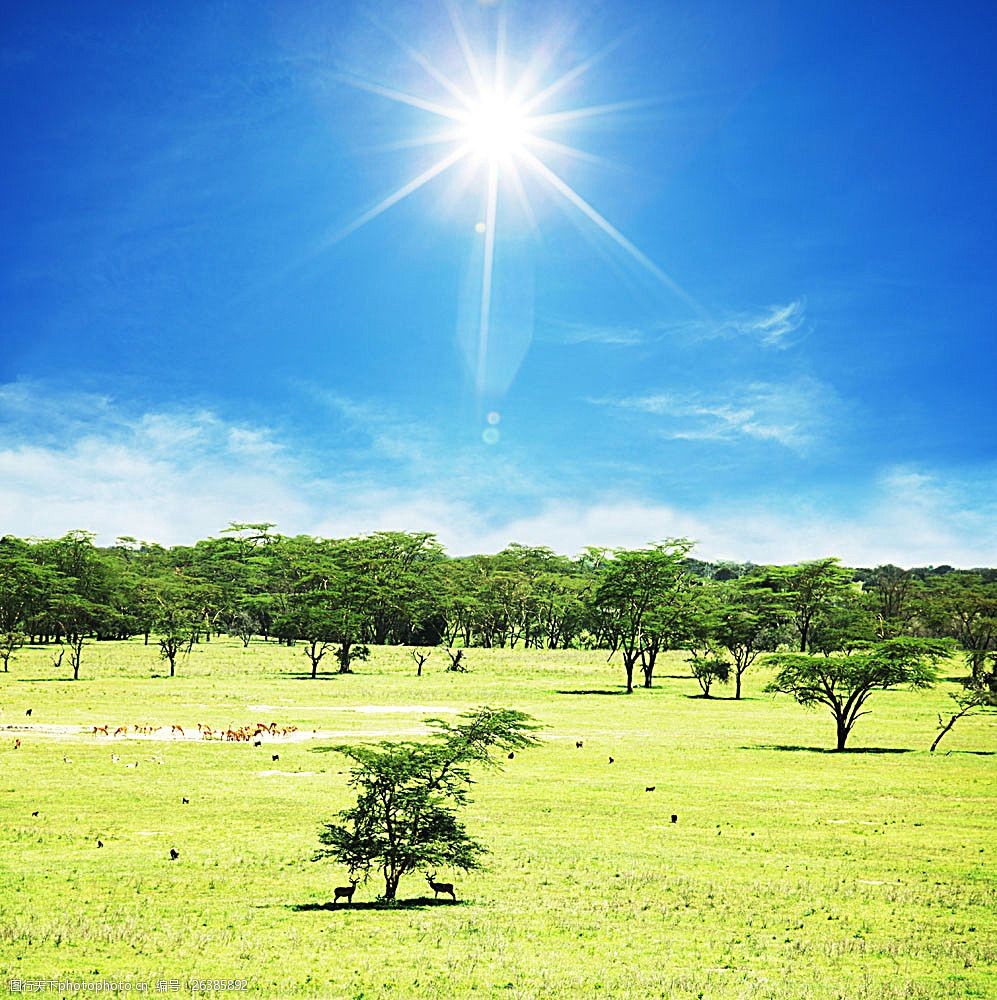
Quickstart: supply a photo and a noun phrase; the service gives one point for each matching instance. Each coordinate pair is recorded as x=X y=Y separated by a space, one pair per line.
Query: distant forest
x=340 y=596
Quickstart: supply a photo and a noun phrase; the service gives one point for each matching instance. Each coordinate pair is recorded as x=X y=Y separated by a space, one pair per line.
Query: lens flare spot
x=480 y=227
x=490 y=435
x=494 y=417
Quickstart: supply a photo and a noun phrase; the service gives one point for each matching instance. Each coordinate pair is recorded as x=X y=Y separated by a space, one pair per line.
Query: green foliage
x=709 y=669
x=405 y=817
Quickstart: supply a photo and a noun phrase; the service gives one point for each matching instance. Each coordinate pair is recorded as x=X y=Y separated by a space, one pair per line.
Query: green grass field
x=790 y=873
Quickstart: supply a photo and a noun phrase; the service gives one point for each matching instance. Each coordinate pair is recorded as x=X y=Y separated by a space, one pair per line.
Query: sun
x=502 y=124
x=496 y=127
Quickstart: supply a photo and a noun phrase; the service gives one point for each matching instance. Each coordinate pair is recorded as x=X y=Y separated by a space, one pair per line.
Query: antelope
x=174 y=729
x=579 y=744
x=100 y=729
x=121 y=731
x=439 y=887
x=346 y=892
x=174 y=854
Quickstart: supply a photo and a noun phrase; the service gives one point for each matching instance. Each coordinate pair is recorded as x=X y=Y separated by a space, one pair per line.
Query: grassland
x=790 y=873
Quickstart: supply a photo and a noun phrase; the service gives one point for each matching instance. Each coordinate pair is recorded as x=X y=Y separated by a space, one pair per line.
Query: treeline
x=337 y=597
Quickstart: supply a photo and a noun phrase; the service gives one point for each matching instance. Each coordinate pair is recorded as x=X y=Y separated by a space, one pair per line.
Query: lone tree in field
x=843 y=683
x=408 y=796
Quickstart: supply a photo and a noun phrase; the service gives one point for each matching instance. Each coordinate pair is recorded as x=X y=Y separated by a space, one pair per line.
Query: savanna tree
x=405 y=817
x=843 y=683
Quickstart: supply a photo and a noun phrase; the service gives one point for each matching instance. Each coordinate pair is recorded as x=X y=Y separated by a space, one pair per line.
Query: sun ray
x=403 y=192
x=568 y=192
x=573 y=152
x=421 y=60
x=555 y=118
x=487 y=269
x=465 y=46
x=416 y=142
x=401 y=97
x=573 y=74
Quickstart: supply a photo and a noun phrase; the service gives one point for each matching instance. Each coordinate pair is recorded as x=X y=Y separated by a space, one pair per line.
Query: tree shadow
x=52 y=680
x=790 y=747
x=607 y=691
x=419 y=903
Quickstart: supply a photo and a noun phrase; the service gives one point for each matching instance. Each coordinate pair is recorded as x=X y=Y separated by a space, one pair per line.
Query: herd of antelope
x=238 y=735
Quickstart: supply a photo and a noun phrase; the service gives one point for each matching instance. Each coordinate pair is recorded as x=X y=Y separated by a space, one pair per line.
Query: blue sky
x=750 y=302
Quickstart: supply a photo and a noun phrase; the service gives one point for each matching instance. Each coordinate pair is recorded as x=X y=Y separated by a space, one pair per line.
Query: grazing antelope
x=184 y=800
x=17 y=744
x=650 y=788
x=579 y=744
x=35 y=813
x=100 y=729
x=28 y=712
x=100 y=843
x=174 y=729
x=439 y=887
x=346 y=892
x=174 y=854
x=121 y=731
x=275 y=756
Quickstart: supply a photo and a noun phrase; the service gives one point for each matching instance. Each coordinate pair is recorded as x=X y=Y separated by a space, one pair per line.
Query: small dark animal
x=100 y=843
x=439 y=887
x=346 y=892
x=174 y=854
x=258 y=743
x=17 y=744
x=184 y=801
x=35 y=813
x=276 y=756
x=579 y=744
x=650 y=788
x=610 y=760
x=28 y=712
x=511 y=755
x=675 y=818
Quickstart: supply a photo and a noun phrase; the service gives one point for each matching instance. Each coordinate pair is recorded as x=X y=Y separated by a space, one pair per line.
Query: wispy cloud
x=793 y=414
x=775 y=326
x=615 y=336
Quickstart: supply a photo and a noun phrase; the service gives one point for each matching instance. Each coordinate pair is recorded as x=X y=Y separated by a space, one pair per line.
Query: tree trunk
x=842 y=732
x=391 y=880
x=737 y=684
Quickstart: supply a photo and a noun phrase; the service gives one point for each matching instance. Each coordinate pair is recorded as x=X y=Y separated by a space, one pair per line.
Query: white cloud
x=794 y=414
x=175 y=478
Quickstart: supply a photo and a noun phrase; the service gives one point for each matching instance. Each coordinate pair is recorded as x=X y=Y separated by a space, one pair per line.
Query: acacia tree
x=408 y=794
x=809 y=588
x=843 y=683
x=176 y=619
x=750 y=619
x=639 y=602
x=10 y=643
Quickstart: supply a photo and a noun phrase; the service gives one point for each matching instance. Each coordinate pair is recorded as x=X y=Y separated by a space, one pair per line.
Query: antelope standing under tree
x=439 y=887
x=346 y=891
